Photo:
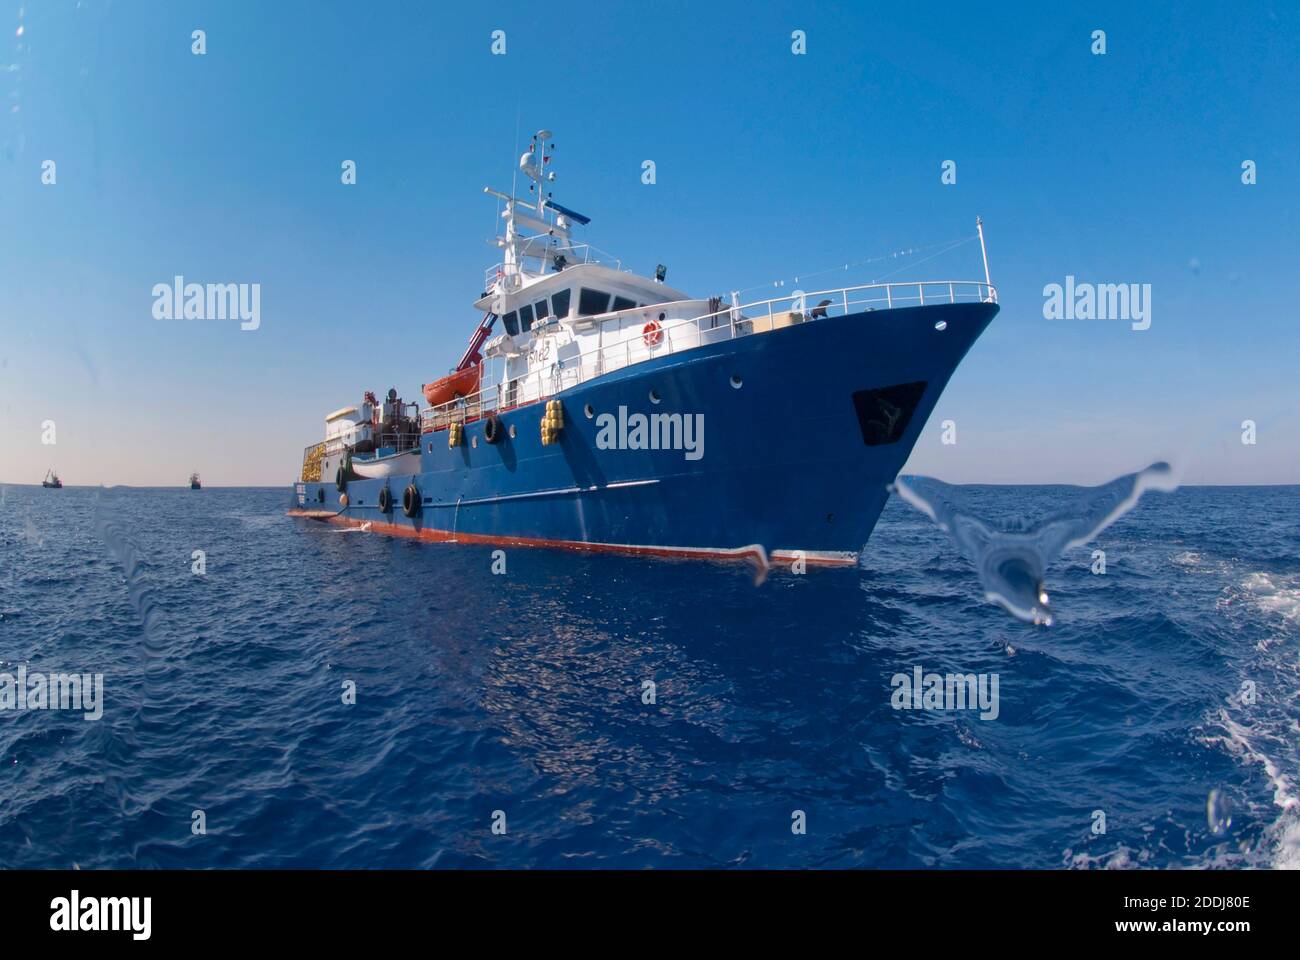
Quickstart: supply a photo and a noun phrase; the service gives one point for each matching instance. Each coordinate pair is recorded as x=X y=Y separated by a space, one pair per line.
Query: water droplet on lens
x=1218 y=812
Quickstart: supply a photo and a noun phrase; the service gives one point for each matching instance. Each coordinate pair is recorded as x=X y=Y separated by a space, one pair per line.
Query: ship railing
x=574 y=253
x=397 y=440
x=726 y=322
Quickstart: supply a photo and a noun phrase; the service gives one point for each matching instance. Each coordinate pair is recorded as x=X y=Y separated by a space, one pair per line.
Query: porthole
x=736 y=382
x=431 y=448
x=654 y=396
x=589 y=411
x=941 y=326
x=512 y=431
x=473 y=442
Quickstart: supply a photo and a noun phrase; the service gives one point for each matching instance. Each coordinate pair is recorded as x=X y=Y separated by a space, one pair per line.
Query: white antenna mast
x=979 y=225
x=542 y=236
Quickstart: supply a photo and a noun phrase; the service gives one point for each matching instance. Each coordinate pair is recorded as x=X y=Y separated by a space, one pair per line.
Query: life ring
x=653 y=334
x=492 y=429
x=411 y=500
x=385 y=500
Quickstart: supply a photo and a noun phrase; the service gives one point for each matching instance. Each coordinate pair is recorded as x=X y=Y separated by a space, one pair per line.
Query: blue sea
x=1156 y=724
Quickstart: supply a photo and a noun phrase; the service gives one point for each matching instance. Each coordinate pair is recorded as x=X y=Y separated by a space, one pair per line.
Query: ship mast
x=545 y=223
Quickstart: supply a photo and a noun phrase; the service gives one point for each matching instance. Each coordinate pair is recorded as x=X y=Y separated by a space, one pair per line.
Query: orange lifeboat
x=462 y=383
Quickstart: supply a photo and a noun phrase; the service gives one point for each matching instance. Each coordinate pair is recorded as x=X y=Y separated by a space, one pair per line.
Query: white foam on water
x=1273 y=594
x=1266 y=733
x=1282 y=837
x=1121 y=858
x=1241 y=740
x=1287 y=854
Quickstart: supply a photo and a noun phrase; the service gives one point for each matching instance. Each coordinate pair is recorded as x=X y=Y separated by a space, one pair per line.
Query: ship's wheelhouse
x=582 y=290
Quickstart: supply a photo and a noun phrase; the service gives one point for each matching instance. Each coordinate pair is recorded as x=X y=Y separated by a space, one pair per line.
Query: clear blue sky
x=225 y=168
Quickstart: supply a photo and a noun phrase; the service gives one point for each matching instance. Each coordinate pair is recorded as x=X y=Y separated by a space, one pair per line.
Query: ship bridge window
x=591 y=302
x=623 y=303
x=560 y=302
x=512 y=324
x=542 y=310
x=526 y=318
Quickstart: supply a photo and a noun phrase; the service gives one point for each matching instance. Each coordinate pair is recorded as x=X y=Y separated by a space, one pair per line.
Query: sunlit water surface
x=523 y=693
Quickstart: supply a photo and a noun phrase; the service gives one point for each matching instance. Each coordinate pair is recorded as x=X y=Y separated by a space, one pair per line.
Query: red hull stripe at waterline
x=446 y=536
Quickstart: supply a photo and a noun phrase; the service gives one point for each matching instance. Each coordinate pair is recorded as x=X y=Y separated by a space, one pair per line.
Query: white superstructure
x=558 y=304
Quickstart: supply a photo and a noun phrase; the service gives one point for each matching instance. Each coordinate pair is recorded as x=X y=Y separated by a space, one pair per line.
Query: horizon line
x=963 y=483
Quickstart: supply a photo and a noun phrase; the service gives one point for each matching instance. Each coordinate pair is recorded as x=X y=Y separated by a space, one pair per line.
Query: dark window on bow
x=885 y=412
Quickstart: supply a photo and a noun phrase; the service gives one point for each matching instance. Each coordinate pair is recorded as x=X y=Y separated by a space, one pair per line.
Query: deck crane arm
x=473 y=355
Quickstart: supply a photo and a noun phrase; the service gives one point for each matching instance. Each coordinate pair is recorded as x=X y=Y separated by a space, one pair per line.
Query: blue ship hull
x=804 y=429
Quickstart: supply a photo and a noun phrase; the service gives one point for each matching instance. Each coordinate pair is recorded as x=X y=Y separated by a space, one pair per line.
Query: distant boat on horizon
x=195 y=483
x=52 y=481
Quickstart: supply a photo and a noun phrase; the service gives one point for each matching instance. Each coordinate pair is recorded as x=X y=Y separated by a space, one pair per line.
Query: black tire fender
x=411 y=500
